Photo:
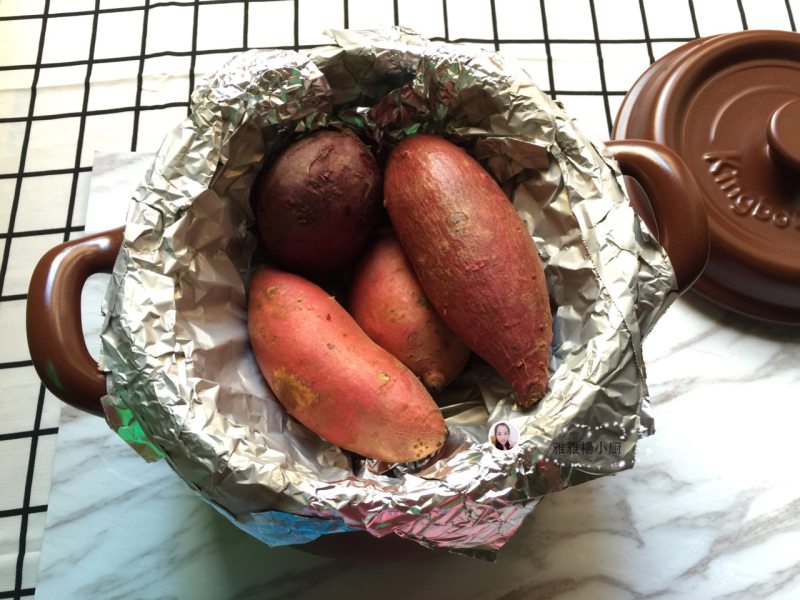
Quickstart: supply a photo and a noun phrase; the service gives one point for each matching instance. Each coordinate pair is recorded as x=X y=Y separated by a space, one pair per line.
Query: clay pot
x=662 y=191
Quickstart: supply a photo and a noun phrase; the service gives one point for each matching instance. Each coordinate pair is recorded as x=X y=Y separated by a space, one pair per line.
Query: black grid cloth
x=79 y=76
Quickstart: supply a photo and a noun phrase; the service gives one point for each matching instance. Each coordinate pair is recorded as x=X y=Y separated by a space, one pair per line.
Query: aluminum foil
x=183 y=384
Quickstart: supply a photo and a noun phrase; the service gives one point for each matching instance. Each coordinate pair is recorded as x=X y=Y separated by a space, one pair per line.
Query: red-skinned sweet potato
x=333 y=378
x=388 y=302
x=318 y=202
x=474 y=258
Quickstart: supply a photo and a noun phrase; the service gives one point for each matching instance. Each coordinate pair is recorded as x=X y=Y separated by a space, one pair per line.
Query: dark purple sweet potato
x=318 y=203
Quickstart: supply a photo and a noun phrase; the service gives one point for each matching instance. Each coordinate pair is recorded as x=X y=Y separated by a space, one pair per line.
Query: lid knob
x=783 y=135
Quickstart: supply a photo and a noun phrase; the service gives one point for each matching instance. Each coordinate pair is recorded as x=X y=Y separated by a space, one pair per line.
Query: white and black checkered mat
x=79 y=76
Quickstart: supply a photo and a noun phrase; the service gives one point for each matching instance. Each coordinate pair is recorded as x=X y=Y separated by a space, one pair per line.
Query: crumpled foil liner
x=183 y=383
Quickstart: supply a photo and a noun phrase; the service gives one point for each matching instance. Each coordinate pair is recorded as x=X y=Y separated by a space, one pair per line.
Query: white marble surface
x=710 y=510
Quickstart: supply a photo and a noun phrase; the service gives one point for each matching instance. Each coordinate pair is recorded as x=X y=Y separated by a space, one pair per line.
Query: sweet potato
x=474 y=258
x=318 y=202
x=333 y=378
x=388 y=302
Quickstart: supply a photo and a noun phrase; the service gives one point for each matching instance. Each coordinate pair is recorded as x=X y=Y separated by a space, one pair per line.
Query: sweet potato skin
x=318 y=202
x=389 y=304
x=474 y=258
x=331 y=377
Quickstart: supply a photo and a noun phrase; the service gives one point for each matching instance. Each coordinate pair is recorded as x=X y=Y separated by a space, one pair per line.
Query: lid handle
x=783 y=135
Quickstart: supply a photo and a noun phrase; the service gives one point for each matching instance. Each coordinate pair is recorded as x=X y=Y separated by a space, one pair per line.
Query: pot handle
x=672 y=208
x=53 y=318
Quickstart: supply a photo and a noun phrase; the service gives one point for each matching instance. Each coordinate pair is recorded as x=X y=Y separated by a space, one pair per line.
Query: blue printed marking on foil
x=276 y=528
x=280 y=529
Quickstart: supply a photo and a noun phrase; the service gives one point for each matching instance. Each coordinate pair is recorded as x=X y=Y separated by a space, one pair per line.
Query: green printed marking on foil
x=295 y=81
x=132 y=433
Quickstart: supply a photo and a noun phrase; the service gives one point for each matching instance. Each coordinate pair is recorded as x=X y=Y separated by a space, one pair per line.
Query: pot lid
x=729 y=106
